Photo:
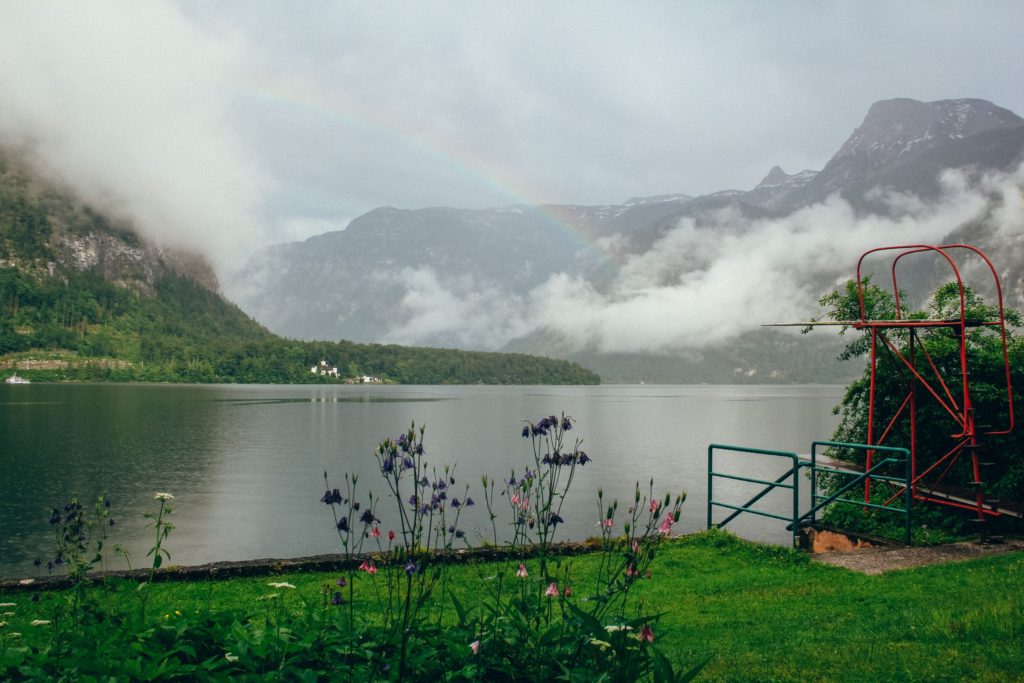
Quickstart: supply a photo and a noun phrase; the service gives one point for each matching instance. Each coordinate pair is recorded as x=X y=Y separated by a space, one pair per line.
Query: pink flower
x=368 y=567
x=655 y=504
x=647 y=634
x=375 y=532
x=636 y=546
x=608 y=523
x=391 y=535
x=631 y=571
x=475 y=647
x=552 y=591
x=666 y=526
x=521 y=572
x=568 y=591
x=515 y=499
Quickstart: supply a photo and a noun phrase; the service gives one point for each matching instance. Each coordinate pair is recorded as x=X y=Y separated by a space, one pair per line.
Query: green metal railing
x=769 y=486
x=875 y=473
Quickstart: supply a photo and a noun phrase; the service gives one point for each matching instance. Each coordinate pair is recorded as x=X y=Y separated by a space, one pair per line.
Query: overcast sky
x=236 y=124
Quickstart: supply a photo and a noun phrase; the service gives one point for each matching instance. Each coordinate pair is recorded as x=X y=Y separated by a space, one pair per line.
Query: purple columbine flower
x=341 y=581
x=456 y=503
x=407 y=463
x=336 y=600
x=469 y=502
x=526 y=431
x=424 y=482
x=343 y=525
x=410 y=568
x=566 y=424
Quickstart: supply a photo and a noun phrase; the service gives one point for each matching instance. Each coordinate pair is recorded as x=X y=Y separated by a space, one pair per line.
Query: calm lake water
x=246 y=463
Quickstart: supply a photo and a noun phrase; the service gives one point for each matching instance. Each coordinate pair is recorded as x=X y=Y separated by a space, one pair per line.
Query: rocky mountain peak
x=896 y=127
x=775 y=177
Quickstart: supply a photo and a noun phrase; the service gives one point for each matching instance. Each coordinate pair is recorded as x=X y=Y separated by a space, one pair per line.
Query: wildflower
x=391 y=535
x=475 y=647
x=666 y=527
x=636 y=546
x=655 y=504
x=341 y=581
x=8 y=604
x=343 y=525
x=526 y=431
x=459 y=533
x=566 y=423
x=280 y=584
x=368 y=567
x=568 y=591
x=583 y=458
x=331 y=497
x=367 y=517
x=521 y=572
x=552 y=591
x=407 y=463
x=555 y=520
x=608 y=522
x=163 y=496
x=602 y=644
x=613 y=628
x=231 y=657
x=27 y=582
x=647 y=634
x=631 y=571
x=410 y=568
x=469 y=502
x=456 y=503
x=40 y=622
x=336 y=599
x=375 y=532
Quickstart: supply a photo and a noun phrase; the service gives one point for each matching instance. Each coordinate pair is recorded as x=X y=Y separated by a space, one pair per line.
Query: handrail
x=900 y=456
x=868 y=474
x=770 y=486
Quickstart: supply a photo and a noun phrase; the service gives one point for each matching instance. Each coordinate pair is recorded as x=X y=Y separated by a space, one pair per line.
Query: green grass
x=760 y=613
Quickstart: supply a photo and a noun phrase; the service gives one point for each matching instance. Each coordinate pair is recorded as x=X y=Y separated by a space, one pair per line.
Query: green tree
x=937 y=431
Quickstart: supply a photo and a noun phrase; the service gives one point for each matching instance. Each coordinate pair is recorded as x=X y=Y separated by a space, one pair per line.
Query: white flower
x=8 y=604
x=40 y=622
x=3 y=623
x=162 y=496
x=26 y=582
x=612 y=628
x=230 y=657
x=280 y=584
x=7 y=614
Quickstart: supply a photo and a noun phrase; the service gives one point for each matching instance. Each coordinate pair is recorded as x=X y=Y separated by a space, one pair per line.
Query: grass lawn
x=759 y=613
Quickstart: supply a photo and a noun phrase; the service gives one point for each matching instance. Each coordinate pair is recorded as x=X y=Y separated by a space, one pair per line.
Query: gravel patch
x=878 y=560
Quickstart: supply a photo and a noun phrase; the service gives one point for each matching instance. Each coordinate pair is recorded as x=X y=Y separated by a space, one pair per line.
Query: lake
x=245 y=463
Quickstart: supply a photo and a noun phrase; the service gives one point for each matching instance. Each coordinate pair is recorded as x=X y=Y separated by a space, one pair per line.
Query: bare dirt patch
x=877 y=560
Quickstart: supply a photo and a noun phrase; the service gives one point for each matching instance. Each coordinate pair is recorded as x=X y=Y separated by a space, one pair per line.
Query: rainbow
x=446 y=151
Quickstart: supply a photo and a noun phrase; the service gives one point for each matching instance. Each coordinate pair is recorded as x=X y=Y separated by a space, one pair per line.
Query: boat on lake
x=16 y=379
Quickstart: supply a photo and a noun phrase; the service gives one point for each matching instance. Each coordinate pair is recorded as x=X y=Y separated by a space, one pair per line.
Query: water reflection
x=246 y=463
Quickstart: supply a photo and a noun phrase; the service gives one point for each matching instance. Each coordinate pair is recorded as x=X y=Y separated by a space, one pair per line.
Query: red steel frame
x=925 y=483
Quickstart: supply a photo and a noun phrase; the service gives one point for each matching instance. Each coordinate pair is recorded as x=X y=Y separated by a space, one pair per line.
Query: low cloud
x=701 y=285
x=127 y=103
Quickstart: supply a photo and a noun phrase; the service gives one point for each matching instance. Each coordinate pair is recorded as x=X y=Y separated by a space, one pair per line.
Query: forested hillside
x=82 y=298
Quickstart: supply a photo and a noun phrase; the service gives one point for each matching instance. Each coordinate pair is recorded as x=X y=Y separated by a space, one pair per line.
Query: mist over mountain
x=667 y=277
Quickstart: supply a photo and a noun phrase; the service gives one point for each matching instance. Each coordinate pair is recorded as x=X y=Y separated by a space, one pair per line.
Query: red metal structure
x=902 y=339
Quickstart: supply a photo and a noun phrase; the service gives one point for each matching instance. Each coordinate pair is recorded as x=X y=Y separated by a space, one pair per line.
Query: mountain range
x=662 y=288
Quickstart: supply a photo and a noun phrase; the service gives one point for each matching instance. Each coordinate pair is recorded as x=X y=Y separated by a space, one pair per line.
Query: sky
x=227 y=126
